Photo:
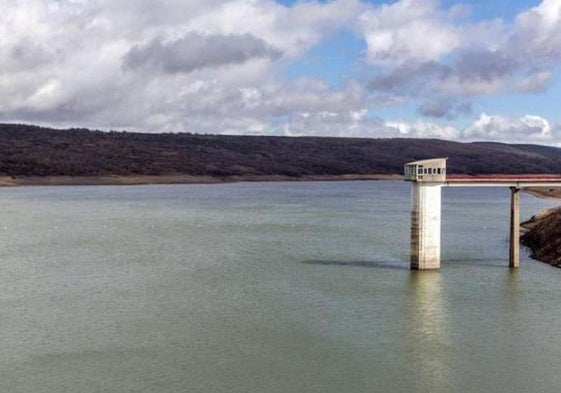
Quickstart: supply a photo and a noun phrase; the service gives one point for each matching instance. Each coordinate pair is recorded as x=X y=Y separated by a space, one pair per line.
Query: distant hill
x=27 y=150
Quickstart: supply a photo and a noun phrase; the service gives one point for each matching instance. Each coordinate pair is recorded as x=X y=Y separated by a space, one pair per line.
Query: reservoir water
x=268 y=287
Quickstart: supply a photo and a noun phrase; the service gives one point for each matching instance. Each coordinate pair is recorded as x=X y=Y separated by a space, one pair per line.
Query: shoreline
x=132 y=180
x=545 y=193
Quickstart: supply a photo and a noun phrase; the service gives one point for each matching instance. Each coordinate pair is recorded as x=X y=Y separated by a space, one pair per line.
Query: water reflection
x=427 y=334
x=511 y=282
x=511 y=299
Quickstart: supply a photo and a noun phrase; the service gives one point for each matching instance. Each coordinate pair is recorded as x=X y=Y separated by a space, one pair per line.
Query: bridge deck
x=520 y=181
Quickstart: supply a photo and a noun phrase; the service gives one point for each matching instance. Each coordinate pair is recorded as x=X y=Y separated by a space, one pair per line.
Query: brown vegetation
x=30 y=151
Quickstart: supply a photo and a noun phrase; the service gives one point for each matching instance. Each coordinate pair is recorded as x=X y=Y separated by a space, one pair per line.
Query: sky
x=463 y=71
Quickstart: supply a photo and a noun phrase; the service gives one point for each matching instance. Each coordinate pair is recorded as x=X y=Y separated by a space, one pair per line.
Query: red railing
x=523 y=177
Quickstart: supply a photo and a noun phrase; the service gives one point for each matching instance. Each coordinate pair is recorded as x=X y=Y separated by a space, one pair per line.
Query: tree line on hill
x=27 y=150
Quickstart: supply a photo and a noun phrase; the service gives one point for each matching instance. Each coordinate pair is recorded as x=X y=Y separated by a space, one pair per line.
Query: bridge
x=427 y=178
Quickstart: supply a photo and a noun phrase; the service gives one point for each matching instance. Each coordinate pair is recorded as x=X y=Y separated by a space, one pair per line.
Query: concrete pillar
x=425 y=225
x=514 y=255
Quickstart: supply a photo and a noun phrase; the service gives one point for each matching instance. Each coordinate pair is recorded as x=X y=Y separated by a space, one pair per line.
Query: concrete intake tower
x=427 y=177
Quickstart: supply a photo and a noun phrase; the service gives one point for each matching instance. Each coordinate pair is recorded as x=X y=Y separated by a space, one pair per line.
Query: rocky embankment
x=542 y=235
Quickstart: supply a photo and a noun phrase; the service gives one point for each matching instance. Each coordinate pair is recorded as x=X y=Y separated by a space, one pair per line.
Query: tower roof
x=432 y=161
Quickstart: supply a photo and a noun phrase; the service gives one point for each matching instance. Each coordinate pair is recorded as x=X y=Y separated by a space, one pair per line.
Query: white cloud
x=292 y=30
x=408 y=30
x=422 y=129
x=536 y=82
x=434 y=54
x=196 y=65
x=217 y=66
x=527 y=128
x=342 y=123
x=497 y=128
x=537 y=32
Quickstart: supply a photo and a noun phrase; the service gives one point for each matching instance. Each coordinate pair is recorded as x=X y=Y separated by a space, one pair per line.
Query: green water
x=267 y=287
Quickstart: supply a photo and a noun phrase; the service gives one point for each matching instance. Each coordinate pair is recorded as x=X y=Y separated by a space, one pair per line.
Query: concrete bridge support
x=425 y=225
x=514 y=254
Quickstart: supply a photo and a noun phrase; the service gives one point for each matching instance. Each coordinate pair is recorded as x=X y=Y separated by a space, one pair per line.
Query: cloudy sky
x=472 y=70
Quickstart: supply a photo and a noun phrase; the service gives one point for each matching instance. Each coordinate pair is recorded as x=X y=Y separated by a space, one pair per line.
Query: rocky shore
x=542 y=233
